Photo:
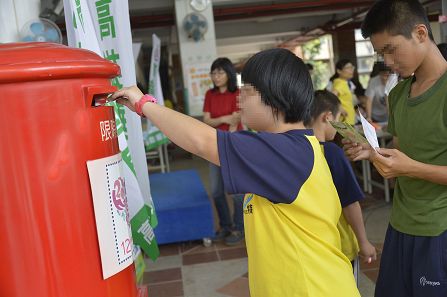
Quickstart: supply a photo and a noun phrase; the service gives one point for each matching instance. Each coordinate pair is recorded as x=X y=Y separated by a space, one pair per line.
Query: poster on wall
x=111 y=213
x=198 y=82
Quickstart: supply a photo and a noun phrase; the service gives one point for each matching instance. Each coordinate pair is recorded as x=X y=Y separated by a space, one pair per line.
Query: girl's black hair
x=226 y=65
x=283 y=81
x=339 y=66
x=323 y=101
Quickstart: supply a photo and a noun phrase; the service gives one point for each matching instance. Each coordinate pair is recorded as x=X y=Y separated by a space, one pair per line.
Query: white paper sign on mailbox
x=111 y=213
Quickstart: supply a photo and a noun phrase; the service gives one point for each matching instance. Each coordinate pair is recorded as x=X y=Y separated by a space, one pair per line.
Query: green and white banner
x=154 y=138
x=103 y=27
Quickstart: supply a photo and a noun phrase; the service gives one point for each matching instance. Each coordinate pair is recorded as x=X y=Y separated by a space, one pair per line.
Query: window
x=319 y=53
x=365 y=57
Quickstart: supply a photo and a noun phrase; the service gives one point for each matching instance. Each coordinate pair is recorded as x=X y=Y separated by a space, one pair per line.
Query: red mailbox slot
x=50 y=127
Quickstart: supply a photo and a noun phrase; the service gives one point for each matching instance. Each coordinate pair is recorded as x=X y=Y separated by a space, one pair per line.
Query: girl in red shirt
x=220 y=111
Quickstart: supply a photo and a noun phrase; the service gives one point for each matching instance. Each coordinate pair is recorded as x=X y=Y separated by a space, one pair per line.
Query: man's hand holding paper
x=370 y=132
x=357 y=147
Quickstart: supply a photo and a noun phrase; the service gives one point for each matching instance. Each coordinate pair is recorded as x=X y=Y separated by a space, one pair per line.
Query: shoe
x=221 y=234
x=235 y=238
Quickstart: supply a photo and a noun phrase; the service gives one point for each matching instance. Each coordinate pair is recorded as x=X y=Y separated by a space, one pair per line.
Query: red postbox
x=50 y=127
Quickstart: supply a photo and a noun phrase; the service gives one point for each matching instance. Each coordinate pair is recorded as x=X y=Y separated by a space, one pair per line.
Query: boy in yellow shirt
x=354 y=242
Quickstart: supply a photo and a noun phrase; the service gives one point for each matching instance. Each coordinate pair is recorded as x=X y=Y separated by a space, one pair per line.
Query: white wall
x=14 y=14
x=436 y=30
x=195 y=54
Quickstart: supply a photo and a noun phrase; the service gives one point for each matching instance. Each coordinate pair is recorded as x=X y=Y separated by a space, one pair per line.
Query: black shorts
x=413 y=266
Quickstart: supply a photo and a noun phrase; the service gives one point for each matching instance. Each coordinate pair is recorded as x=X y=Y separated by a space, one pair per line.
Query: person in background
x=359 y=98
x=375 y=70
x=413 y=262
x=220 y=111
x=376 y=104
x=291 y=206
x=340 y=87
x=354 y=242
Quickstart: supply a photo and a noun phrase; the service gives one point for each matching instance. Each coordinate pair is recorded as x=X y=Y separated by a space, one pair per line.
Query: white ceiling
x=254 y=27
x=238 y=39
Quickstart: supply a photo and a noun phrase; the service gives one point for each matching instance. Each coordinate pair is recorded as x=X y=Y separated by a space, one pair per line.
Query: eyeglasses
x=348 y=67
x=218 y=73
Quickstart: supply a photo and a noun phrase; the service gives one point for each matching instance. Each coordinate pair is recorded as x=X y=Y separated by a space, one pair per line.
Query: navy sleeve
x=274 y=166
x=344 y=178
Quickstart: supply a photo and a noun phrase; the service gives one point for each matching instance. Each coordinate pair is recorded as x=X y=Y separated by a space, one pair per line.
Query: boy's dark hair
x=397 y=17
x=283 y=81
x=323 y=101
x=226 y=65
x=310 y=67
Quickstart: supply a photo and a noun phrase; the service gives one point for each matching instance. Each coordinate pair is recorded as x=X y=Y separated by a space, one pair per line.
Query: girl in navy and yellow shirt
x=292 y=208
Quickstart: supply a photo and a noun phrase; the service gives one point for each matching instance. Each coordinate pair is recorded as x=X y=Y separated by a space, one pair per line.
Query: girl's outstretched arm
x=185 y=131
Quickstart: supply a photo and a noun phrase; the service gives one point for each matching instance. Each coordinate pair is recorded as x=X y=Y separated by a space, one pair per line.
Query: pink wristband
x=139 y=104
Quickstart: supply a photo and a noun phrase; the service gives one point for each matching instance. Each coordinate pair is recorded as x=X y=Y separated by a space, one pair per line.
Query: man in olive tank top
x=414 y=259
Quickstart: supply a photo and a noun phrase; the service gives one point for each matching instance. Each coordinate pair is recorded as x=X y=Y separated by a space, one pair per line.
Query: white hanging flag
x=154 y=72
x=103 y=26
x=136 y=47
x=154 y=136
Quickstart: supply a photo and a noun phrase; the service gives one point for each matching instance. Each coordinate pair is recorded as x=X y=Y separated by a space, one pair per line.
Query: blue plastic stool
x=183 y=207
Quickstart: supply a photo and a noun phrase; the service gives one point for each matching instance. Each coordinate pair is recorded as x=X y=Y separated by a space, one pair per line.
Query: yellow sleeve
x=340 y=87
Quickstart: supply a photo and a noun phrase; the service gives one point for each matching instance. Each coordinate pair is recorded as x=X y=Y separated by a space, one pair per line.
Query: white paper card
x=370 y=132
x=111 y=213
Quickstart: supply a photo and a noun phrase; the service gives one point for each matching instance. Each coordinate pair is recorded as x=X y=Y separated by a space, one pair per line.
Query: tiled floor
x=190 y=269
x=193 y=270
